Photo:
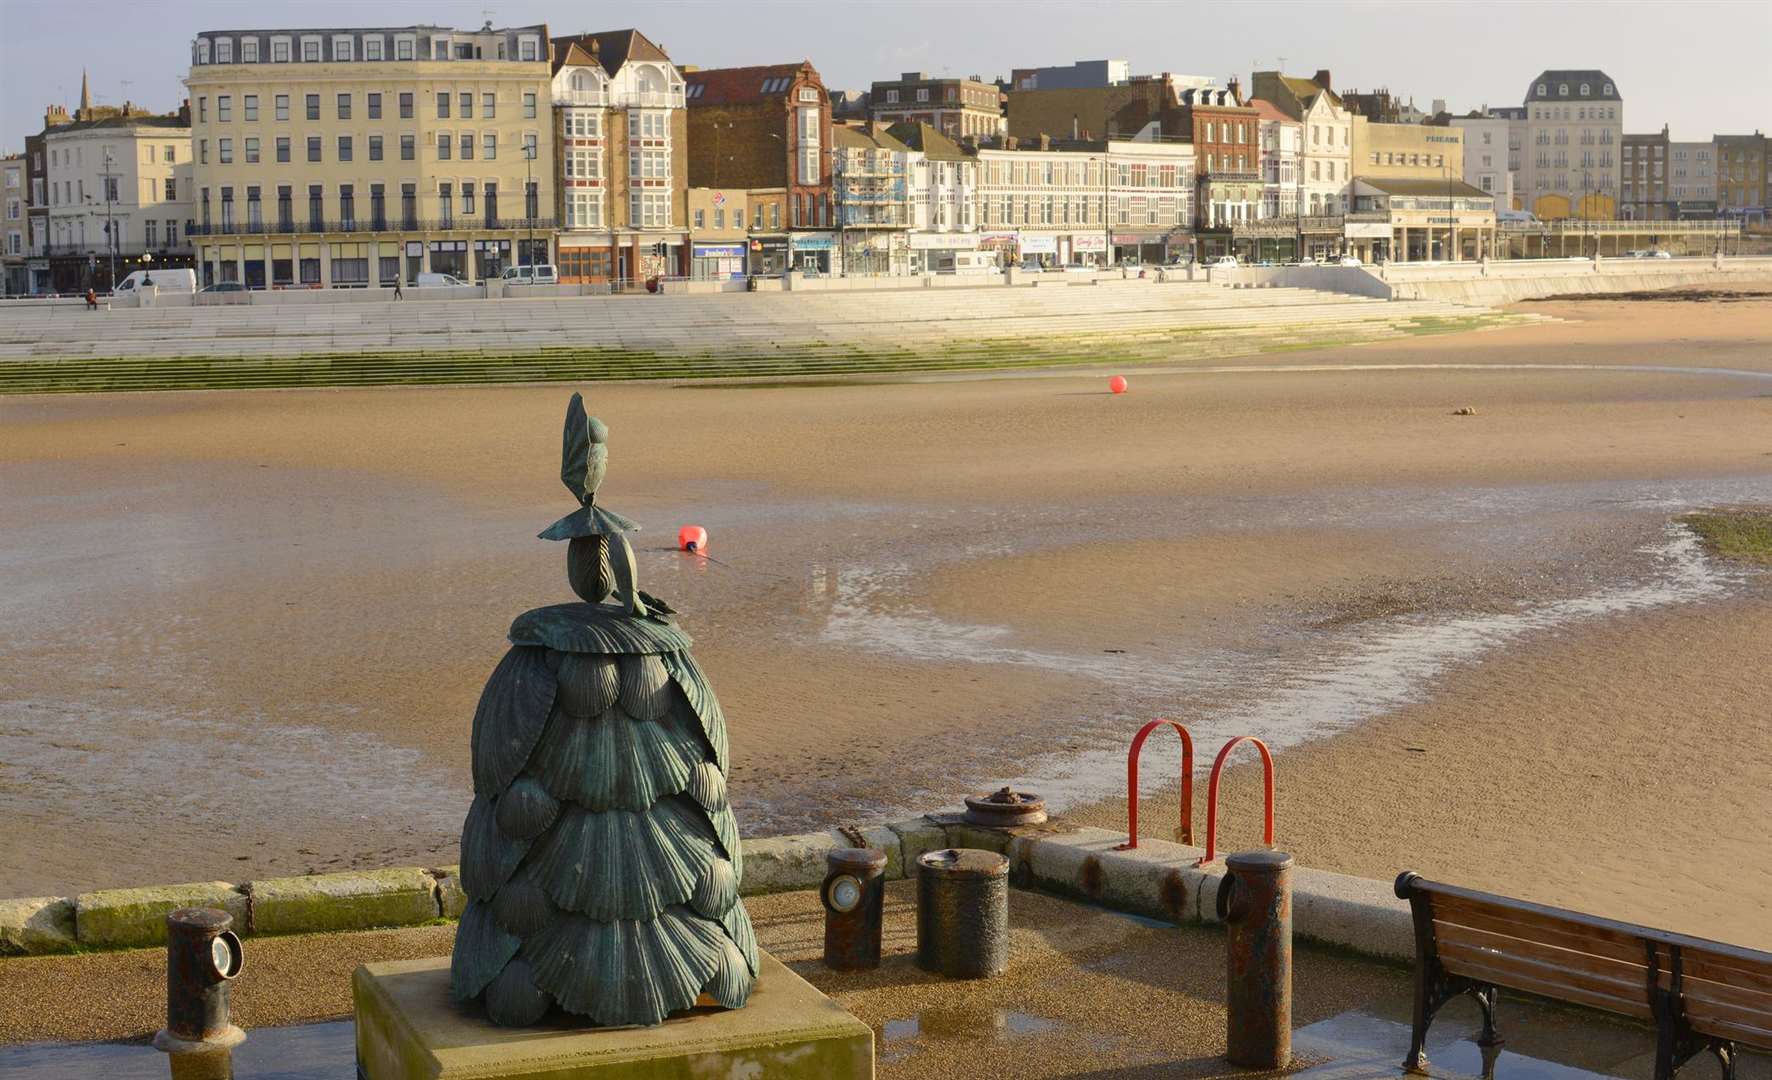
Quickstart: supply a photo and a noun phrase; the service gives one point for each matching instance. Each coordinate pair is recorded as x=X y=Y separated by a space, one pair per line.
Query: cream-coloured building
x=1570 y=163
x=118 y=185
x=1407 y=151
x=361 y=157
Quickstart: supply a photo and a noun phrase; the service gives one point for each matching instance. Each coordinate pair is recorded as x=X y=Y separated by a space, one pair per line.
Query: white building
x=1692 y=179
x=1282 y=140
x=1058 y=207
x=1325 y=157
x=941 y=196
x=120 y=185
x=1486 y=154
x=1575 y=132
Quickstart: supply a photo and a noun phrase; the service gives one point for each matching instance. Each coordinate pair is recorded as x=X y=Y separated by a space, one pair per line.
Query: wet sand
x=242 y=633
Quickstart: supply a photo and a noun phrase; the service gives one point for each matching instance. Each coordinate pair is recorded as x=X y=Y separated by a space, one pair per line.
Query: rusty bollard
x=854 y=895
x=1255 y=902
x=203 y=955
x=963 y=913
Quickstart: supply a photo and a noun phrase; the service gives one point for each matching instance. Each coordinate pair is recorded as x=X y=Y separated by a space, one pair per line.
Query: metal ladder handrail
x=1187 y=782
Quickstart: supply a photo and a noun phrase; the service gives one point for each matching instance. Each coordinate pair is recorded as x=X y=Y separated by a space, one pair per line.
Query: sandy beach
x=242 y=633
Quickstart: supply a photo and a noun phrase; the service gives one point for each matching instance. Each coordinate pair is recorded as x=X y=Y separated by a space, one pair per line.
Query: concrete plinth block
x=355 y=900
x=1155 y=879
x=916 y=837
x=785 y=863
x=451 y=899
x=1355 y=912
x=136 y=918
x=407 y=1029
x=36 y=925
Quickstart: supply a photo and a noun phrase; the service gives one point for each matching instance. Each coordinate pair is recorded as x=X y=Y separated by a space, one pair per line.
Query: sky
x=1699 y=66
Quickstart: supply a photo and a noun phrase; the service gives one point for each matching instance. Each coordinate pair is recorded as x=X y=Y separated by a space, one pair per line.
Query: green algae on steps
x=355 y=900
x=565 y=363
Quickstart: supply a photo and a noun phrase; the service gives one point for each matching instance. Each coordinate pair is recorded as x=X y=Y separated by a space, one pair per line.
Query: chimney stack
x=1321 y=78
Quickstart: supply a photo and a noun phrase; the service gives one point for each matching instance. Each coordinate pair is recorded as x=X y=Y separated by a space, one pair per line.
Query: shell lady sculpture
x=600 y=858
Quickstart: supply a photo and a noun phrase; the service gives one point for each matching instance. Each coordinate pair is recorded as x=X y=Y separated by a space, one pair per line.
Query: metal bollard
x=963 y=913
x=854 y=895
x=202 y=956
x=1255 y=903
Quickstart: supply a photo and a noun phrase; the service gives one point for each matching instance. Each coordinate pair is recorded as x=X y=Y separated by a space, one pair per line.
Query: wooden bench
x=1699 y=995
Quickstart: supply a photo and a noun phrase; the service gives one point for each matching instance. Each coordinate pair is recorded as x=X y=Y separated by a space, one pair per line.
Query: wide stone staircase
x=51 y=349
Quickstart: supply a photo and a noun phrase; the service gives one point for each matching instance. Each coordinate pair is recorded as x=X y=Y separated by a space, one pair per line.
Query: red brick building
x=768 y=127
x=1227 y=162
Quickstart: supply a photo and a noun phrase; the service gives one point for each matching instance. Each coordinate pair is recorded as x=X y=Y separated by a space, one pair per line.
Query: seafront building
x=942 y=199
x=870 y=181
x=366 y=156
x=955 y=107
x=1570 y=162
x=621 y=139
x=14 y=279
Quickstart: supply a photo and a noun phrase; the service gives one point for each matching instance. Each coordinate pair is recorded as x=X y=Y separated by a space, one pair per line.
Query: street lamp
x=529 y=208
x=110 y=220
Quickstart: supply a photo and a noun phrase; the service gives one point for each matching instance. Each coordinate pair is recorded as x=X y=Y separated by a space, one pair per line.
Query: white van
x=973 y=262
x=538 y=274
x=168 y=281
x=428 y=278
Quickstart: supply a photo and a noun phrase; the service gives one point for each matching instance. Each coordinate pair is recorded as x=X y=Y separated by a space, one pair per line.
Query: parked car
x=1224 y=261
x=431 y=279
x=1349 y=260
x=168 y=280
x=1650 y=253
x=1659 y=254
x=1306 y=261
x=225 y=286
x=537 y=274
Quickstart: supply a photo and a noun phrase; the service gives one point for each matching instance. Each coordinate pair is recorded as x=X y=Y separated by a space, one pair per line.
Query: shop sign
x=814 y=241
x=944 y=241
x=1038 y=244
x=1088 y=242
x=1367 y=230
x=719 y=251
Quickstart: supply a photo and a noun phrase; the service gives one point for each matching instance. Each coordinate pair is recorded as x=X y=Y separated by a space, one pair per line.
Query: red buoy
x=1117 y=384
x=692 y=538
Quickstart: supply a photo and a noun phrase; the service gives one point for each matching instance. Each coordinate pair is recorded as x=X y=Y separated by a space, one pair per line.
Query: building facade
x=621 y=133
x=1743 y=164
x=14 y=226
x=955 y=107
x=870 y=181
x=38 y=278
x=942 y=199
x=1281 y=142
x=1083 y=73
x=1570 y=163
x=1692 y=185
x=120 y=197
x=1486 y=154
x=766 y=128
x=1088 y=204
x=719 y=233
x=1646 y=174
x=1426 y=219
x=363 y=157
x=1325 y=155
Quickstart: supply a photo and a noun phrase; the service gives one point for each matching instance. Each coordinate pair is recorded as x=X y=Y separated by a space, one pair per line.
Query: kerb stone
x=136 y=918
x=346 y=901
x=787 y=863
x=407 y=1028
x=451 y=899
x=37 y=925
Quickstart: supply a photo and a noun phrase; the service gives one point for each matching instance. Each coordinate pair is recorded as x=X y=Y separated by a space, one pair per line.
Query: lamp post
x=529 y=151
x=110 y=219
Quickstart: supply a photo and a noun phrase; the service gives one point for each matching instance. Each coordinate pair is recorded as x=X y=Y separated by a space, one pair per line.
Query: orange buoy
x=692 y=538
x=1117 y=384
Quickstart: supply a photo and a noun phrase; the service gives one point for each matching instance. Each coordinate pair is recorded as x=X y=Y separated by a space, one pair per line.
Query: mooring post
x=1255 y=903
x=963 y=913
x=203 y=955
x=854 y=896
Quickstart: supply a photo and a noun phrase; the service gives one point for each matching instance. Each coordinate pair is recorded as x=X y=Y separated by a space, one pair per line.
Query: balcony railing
x=395 y=224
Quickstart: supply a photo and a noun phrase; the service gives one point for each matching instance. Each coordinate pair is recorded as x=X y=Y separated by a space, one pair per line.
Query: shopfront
x=814 y=252
x=1037 y=249
x=716 y=262
x=769 y=255
x=1088 y=249
x=934 y=253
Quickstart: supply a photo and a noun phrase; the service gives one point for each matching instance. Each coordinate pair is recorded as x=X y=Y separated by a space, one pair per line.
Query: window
x=443 y=105
x=249 y=51
x=313 y=104
x=151 y=229
x=316 y=208
x=409 y=206
x=774 y=216
x=1562 y=89
x=922 y=93
x=344 y=106
x=1607 y=90
x=1584 y=90
x=285 y=211
x=171 y=153
x=809 y=148
x=1541 y=89
x=650 y=208
x=488 y=105
x=467 y=146
x=224 y=51
x=375 y=148
x=252 y=151
x=467 y=104
x=585 y=210
x=892 y=97
x=283 y=148
x=171 y=190
x=378 y=207
x=202 y=116
x=226 y=148
x=249 y=107
x=443 y=143
x=313 y=148
x=279 y=52
x=406 y=105
x=408 y=147
x=374 y=103
x=446 y=205
x=701 y=219
x=526 y=49
x=227 y=209
x=282 y=106
x=403 y=49
x=372 y=49
x=529 y=147
x=488 y=147
x=310 y=50
x=347 y=207
x=467 y=198
x=254 y=213
x=341 y=48
x=491 y=204
x=528 y=104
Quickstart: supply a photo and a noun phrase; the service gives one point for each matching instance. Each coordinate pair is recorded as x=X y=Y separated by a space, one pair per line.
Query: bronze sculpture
x=600 y=857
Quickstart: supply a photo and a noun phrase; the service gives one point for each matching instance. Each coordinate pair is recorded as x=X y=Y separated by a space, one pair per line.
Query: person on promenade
x=398 y=295
x=91 y=299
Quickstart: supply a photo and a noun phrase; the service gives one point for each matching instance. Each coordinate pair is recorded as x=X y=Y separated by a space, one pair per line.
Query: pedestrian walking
x=398 y=295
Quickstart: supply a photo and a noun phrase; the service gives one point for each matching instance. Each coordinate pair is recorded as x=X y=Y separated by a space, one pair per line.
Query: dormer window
x=1608 y=89
x=1585 y=90
x=1563 y=89
x=203 y=50
x=1542 y=90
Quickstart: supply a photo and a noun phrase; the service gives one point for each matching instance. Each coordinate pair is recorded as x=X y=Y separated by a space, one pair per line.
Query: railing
x=1267 y=778
x=1185 y=834
x=1621 y=225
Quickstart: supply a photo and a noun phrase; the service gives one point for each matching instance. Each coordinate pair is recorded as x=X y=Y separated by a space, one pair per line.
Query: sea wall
x=1157 y=879
x=1505 y=282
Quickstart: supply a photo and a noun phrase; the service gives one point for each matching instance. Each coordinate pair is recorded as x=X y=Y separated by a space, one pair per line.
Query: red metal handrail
x=1267 y=776
x=1187 y=782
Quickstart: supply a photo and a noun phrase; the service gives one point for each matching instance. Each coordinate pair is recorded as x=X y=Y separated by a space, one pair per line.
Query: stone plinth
x=408 y=1029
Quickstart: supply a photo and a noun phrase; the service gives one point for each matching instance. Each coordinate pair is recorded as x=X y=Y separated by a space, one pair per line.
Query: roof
x=1305 y=90
x=1600 y=86
x=865 y=137
x=1267 y=110
x=741 y=85
x=931 y=142
x=133 y=120
x=610 y=48
x=1415 y=186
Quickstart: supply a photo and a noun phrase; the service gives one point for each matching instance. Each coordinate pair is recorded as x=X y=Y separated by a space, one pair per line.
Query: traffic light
x=661 y=249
